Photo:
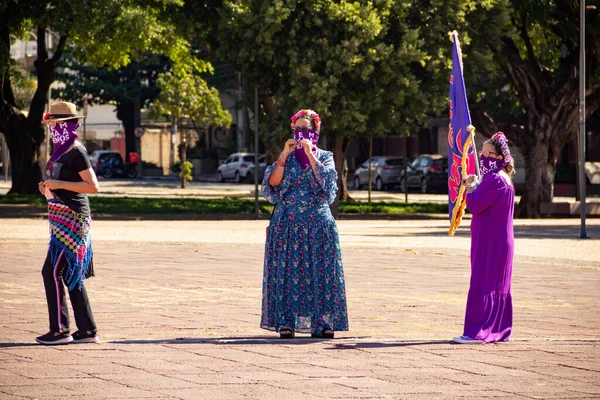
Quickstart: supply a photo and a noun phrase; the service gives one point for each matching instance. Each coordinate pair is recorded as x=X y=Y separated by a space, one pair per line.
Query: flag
x=461 y=151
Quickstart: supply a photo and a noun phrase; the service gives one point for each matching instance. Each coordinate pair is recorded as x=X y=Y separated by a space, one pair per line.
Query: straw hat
x=61 y=111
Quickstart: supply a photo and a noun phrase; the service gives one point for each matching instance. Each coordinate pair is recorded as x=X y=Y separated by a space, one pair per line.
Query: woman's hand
x=41 y=187
x=307 y=146
x=52 y=184
x=288 y=147
x=469 y=180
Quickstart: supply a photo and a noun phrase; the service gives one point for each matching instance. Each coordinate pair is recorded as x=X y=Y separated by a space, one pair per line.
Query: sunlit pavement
x=178 y=308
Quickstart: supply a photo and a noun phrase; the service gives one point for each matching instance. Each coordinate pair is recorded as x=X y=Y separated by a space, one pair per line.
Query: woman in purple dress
x=489 y=315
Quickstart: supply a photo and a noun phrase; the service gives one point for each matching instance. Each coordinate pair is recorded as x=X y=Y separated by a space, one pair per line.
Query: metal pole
x=370 y=164
x=583 y=234
x=406 y=169
x=5 y=159
x=172 y=144
x=85 y=112
x=256 y=166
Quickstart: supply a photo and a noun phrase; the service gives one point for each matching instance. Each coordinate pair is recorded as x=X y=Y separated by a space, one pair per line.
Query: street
x=178 y=307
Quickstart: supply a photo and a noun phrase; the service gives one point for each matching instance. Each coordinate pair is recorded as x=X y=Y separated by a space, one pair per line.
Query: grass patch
x=139 y=205
x=396 y=208
x=31 y=199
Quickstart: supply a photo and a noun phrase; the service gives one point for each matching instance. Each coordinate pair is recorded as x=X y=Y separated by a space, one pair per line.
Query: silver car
x=237 y=167
x=386 y=171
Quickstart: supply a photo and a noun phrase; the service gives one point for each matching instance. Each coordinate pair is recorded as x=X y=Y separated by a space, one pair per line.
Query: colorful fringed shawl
x=70 y=234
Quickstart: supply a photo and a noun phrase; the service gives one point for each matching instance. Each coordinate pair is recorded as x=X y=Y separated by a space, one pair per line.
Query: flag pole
x=471 y=129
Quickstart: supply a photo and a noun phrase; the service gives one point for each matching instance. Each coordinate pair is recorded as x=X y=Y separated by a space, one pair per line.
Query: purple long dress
x=489 y=304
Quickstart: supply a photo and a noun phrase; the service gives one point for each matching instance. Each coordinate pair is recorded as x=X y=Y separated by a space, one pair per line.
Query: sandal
x=286 y=333
x=325 y=334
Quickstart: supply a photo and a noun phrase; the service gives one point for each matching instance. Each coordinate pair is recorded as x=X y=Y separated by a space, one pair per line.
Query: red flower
x=46 y=116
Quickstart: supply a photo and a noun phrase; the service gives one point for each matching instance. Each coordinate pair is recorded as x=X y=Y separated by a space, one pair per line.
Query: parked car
x=236 y=167
x=99 y=157
x=109 y=164
x=428 y=172
x=262 y=167
x=386 y=171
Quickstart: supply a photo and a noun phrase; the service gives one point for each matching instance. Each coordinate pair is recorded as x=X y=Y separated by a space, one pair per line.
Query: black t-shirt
x=67 y=168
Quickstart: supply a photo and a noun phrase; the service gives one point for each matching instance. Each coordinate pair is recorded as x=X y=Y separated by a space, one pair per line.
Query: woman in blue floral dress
x=303 y=284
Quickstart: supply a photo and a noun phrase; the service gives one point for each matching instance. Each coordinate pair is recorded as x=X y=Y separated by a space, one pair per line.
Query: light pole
x=85 y=112
x=256 y=166
x=581 y=163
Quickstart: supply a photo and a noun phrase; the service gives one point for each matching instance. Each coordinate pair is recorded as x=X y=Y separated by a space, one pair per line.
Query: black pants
x=57 y=301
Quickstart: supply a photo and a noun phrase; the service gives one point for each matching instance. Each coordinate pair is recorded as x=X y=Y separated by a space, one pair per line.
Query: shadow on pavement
x=28 y=344
x=337 y=344
x=376 y=345
x=521 y=231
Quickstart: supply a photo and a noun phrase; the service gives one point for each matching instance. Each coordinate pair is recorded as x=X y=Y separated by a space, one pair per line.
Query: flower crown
x=500 y=140
x=311 y=114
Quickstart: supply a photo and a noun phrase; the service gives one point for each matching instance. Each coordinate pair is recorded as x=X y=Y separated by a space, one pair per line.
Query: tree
x=362 y=66
x=530 y=82
x=105 y=33
x=127 y=87
x=188 y=96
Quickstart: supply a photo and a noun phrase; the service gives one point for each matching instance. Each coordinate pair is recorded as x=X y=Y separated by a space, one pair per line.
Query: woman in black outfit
x=69 y=176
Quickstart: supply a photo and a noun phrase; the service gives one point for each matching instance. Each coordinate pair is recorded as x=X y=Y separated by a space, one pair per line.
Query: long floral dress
x=303 y=284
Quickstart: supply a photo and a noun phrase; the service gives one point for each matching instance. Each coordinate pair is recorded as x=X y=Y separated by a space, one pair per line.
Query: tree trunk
x=539 y=180
x=125 y=113
x=23 y=147
x=341 y=166
x=184 y=137
x=24 y=135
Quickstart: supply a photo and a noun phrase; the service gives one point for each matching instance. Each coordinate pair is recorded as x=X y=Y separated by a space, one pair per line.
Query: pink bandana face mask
x=490 y=164
x=64 y=134
x=301 y=134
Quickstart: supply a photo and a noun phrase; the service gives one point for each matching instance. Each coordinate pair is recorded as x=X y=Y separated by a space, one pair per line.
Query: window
x=395 y=162
x=426 y=162
x=114 y=158
x=236 y=159
x=442 y=162
x=249 y=158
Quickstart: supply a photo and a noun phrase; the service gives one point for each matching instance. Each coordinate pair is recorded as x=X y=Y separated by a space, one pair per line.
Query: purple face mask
x=64 y=135
x=490 y=164
x=300 y=134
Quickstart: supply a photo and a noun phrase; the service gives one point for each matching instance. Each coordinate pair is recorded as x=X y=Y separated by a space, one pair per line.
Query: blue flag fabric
x=461 y=154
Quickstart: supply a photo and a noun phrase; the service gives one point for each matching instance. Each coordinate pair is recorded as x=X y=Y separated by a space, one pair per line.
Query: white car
x=238 y=166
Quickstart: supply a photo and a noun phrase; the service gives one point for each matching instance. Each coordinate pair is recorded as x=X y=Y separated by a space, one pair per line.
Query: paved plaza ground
x=178 y=308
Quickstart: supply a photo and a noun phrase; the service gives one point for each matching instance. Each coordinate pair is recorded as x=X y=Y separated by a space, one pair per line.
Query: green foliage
x=185 y=172
x=102 y=85
x=23 y=85
x=188 y=96
x=363 y=66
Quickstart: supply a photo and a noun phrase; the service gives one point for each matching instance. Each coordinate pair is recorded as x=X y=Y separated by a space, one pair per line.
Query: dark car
x=262 y=167
x=386 y=171
x=428 y=173
x=109 y=164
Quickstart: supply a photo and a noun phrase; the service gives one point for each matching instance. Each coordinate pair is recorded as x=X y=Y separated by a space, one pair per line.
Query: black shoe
x=325 y=334
x=286 y=333
x=51 y=339
x=86 y=337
